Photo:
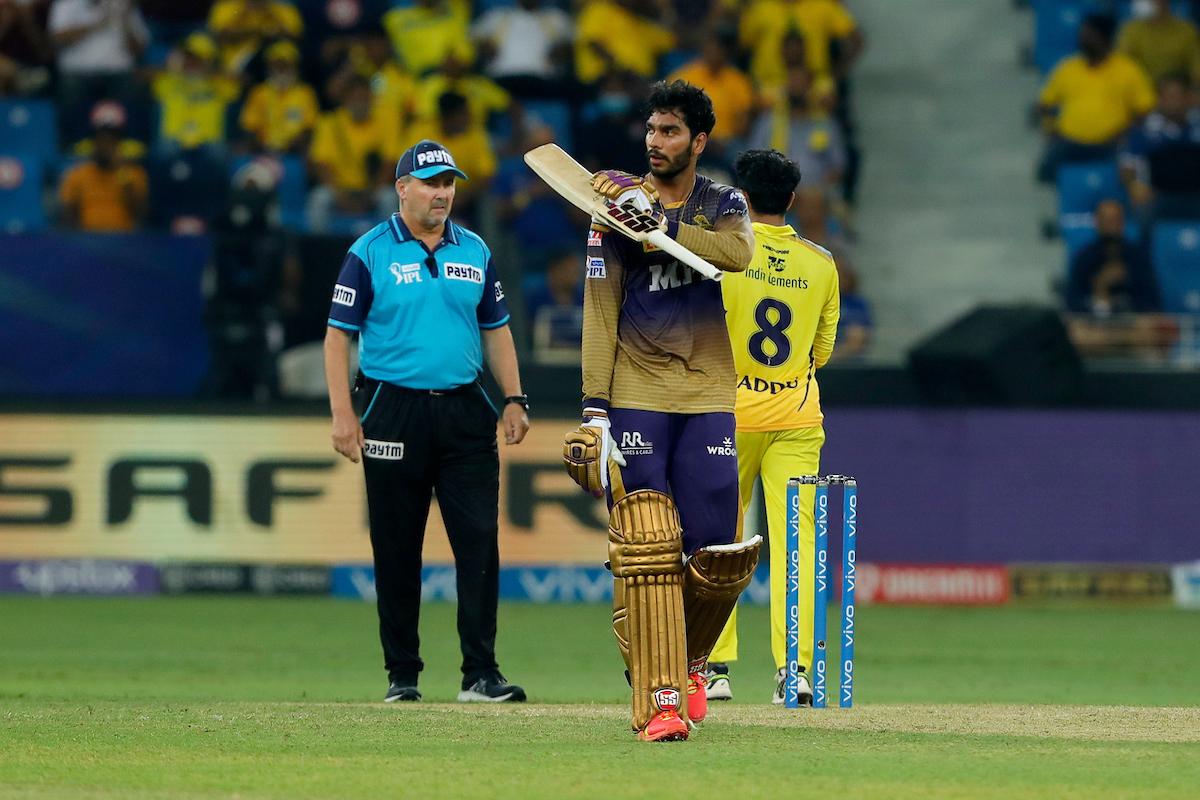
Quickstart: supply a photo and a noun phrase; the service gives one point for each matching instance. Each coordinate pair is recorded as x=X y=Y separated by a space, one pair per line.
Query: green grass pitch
x=280 y=698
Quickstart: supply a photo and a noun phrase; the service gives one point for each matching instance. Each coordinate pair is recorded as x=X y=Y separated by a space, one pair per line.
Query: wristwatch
x=520 y=399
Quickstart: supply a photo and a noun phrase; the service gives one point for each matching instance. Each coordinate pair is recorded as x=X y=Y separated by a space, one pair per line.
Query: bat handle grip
x=665 y=243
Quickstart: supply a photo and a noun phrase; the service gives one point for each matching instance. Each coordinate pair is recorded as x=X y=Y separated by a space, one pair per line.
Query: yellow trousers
x=775 y=456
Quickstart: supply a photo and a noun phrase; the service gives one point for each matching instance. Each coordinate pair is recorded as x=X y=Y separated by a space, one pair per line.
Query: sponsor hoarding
x=78 y=576
x=1084 y=581
x=564 y=583
x=911 y=584
x=249 y=490
x=1185 y=580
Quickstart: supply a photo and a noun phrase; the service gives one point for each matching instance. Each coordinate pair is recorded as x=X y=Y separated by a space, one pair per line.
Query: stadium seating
x=21 y=193
x=293 y=187
x=185 y=185
x=29 y=126
x=557 y=115
x=1056 y=29
x=1082 y=186
x=1175 y=248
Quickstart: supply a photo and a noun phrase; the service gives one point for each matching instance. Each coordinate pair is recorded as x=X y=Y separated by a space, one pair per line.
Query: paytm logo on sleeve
x=344 y=295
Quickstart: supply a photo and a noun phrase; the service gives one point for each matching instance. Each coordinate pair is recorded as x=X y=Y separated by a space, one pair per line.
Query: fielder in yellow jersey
x=782 y=314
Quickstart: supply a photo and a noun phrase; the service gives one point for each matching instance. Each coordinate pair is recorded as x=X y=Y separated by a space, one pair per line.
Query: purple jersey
x=670 y=351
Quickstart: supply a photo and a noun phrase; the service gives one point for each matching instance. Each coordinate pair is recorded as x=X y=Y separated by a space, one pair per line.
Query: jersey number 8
x=773 y=331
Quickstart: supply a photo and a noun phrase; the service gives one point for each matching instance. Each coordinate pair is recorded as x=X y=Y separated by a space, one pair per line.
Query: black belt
x=371 y=383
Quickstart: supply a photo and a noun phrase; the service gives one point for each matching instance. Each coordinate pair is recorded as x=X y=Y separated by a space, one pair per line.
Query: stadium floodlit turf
x=279 y=698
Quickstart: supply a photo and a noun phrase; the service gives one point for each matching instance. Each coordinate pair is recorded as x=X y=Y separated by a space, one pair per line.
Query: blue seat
x=1175 y=250
x=29 y=127
x=293 y=188
x=557 y=115
x=1181 y=8
x=1082 y=186
x=674 y=60
x=21 y=193
x=1056 y=30
x=188 y=184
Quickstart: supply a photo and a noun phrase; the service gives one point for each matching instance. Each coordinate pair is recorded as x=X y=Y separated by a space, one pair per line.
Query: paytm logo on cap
x=430 y=157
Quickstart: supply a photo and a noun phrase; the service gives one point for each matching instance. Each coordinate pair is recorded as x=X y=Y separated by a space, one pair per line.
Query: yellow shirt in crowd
x=394 y=105
x=275 y=20
x=193 y=107
x=423 y=37
x=1096 y=104
x=484 y=96
x=1162 y=48
x=634 y=42
x=765 y=23
x=278 y=117
x=97 y=194
x=346 y=147
x=782 y=314
x=731 y=92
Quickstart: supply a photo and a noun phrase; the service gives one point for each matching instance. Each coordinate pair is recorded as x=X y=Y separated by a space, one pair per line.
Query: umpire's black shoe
x=401 y=693
x=492 y=688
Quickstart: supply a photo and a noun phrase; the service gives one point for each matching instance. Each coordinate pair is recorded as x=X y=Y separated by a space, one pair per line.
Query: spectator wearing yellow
x=804 y=133
x=732 y=93
x=484 y=96
x=280 y=112
x=822 y=93
x=424 y=34
x=1091 y=99
x=370 y=56
x=243 y=27
x=107 y=193
x=193 y=97
x=622 y=35
x=350 y=158
x=821 y=23
x=1162 y=43
x=470 y=144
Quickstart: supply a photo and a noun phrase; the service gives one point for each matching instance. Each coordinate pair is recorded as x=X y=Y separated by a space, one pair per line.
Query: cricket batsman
x=782 y=315
x=658 y=425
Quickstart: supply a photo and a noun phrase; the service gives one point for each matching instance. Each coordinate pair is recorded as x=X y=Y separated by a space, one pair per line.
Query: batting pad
x=645 y=548
x=712 y=581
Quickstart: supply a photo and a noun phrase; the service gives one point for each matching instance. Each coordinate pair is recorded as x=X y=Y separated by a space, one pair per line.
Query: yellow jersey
x=1097 y=103
x=782 y=314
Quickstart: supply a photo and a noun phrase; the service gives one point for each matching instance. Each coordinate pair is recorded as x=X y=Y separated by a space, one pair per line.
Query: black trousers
x=419 y=443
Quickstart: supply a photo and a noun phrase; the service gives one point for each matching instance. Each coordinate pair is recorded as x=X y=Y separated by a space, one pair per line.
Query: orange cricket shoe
x=665 y=726
x=697 y=696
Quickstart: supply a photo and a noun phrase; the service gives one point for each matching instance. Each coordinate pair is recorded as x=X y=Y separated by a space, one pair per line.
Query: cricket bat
x=573 y=181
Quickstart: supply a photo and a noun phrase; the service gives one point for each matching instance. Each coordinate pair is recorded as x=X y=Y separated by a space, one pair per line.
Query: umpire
x=421 y=293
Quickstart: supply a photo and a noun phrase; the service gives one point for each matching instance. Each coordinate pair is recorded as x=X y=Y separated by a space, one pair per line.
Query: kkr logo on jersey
x=464 y=272
x=344 y=295
x=409 y=273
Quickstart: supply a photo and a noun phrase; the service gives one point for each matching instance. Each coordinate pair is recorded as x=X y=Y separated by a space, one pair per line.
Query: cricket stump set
x=821 y=585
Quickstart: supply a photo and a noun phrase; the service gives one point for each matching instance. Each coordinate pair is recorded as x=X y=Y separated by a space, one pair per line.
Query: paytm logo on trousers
x=386 y=451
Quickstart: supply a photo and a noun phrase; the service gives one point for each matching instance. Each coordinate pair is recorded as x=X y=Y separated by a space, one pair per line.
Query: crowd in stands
x=1122 y=124
x=131 y=115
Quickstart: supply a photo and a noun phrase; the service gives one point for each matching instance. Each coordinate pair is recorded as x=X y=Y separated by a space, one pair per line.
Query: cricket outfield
x=279 y=698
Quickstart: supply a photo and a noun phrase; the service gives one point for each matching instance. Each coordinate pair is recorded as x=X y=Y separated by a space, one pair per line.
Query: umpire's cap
x=425 y=159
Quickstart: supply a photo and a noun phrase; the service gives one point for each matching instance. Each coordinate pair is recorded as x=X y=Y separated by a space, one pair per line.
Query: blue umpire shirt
x=418 y=312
